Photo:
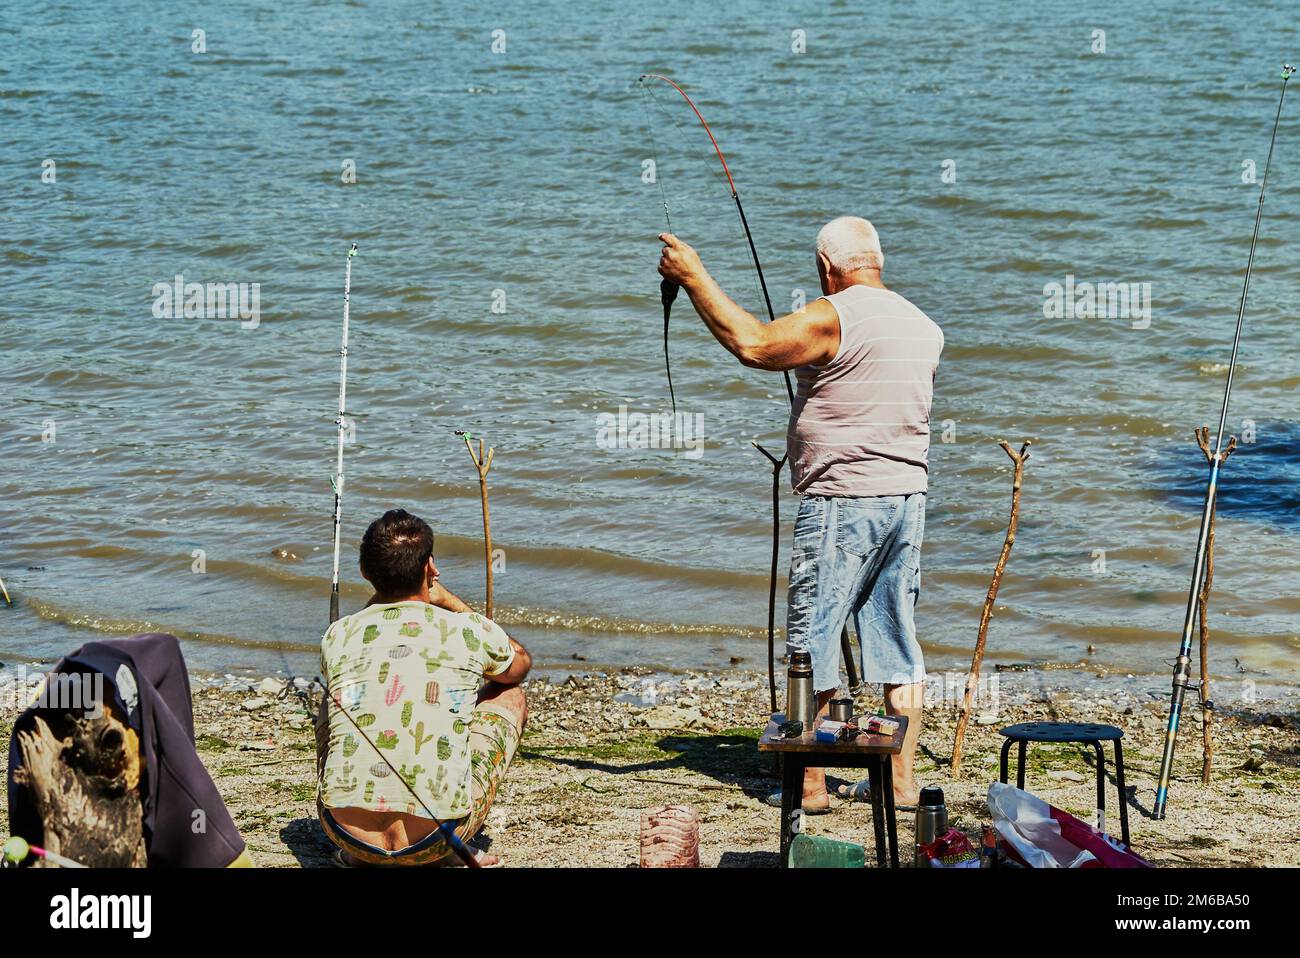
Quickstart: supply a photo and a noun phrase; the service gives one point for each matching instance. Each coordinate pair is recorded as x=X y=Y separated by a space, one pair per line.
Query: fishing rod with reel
x=1182 y=665
x=337 y=480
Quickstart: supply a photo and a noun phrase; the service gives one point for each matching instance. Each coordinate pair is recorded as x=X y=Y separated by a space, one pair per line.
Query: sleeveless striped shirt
x=860 y=424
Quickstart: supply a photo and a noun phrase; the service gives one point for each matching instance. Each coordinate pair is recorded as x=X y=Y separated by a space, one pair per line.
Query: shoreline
x=602 y=747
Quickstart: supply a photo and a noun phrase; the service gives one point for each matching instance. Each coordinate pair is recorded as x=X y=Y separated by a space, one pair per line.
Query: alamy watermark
x=638 y=430
x=948 y=690
x=179 y=299
x=1071 y=300
x=65 y=692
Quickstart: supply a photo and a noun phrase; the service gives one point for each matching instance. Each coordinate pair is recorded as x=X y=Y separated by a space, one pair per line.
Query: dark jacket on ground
x=186 y=823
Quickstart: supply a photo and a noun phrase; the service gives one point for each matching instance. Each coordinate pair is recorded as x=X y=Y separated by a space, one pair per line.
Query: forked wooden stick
x=483 y=464
x=972 y=678
x=1202 y=603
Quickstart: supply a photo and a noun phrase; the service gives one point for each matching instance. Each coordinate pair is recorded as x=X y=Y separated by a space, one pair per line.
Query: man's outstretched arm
x=808 y=337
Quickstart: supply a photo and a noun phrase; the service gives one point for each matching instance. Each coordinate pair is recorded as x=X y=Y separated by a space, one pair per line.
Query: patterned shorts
x=493 y=738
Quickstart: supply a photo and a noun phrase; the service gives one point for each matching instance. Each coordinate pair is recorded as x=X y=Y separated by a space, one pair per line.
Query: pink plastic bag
x=1040 y=835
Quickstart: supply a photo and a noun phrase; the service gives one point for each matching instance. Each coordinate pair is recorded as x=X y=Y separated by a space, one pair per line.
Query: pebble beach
x=600 y=749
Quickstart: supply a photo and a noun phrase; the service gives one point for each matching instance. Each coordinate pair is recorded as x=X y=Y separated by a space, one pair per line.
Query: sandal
x=860 y=791
x=775 y=801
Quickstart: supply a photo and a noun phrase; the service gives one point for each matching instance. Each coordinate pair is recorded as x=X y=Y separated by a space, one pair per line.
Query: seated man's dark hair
x=394 y=551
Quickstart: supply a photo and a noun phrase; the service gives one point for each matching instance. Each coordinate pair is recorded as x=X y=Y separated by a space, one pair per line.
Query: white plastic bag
x=1043 y=836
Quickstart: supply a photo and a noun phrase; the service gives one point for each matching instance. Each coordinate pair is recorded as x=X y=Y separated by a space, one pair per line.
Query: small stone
x=988 y=718
x=252 y=705
x=269 y=686
x=1066 y=776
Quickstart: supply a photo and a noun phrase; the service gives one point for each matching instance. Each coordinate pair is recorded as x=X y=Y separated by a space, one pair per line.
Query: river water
x=172 y=472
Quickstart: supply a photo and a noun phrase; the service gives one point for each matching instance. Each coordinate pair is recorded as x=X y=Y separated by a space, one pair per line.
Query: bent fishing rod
x=1182 y=665
x=667 y=294
x=337 y=480
x=667 y=289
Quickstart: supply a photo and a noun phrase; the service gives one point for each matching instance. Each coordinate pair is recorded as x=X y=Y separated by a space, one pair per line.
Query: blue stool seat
x=1091 y=733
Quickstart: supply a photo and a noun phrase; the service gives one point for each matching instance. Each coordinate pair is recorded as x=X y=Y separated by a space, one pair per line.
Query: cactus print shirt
x=409 y=675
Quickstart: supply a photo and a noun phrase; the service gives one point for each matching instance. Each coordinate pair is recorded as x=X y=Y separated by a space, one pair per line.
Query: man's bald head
x=849 y=244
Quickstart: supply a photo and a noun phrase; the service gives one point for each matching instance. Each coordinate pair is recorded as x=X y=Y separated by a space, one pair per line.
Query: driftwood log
x=82 y=776
x=1202 y=604
x=483 y=464
x=972 y=678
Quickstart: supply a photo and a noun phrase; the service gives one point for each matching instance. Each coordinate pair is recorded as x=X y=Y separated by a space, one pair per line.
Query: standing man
x=858 y=440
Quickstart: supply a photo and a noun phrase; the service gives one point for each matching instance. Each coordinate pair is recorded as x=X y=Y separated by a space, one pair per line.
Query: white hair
x=850 y=243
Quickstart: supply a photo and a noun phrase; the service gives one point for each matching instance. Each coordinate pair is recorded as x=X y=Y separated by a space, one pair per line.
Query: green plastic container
x=813 y=851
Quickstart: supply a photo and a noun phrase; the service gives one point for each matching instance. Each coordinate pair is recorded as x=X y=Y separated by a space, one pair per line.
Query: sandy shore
x=599 y=749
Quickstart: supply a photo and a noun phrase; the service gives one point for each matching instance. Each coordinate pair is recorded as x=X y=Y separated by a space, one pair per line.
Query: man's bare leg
x=814 y=779
x=509 y=700
x=906 y=700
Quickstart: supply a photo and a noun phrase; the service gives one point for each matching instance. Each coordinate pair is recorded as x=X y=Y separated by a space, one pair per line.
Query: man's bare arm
x=808 y=337
x=519 y=665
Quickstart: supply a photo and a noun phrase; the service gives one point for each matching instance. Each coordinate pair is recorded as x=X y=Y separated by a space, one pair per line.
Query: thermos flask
x=931 y=820
x=800 y=700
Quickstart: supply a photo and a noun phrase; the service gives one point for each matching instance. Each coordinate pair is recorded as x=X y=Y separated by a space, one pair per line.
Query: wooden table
x=872 y=752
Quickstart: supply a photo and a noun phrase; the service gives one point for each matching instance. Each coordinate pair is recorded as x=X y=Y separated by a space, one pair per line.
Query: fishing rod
x=1182 y=665
x=8 y=601
x=668 y=292
x=337 y=480
x=17 y=850
x=777 y=464
x=667 y=288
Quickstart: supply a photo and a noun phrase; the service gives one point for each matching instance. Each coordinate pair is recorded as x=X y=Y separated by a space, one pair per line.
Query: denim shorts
x=858 y=557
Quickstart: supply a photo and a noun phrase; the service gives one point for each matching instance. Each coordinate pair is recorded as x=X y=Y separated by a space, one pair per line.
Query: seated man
x=428 y=737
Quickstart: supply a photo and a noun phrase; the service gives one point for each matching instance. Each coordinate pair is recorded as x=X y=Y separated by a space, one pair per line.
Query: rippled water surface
x=515 y=179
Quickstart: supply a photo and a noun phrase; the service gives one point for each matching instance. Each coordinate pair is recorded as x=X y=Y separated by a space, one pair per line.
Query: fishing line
x=667 y=289
x=1182 y=665
x=654 y=153
x=447 y=831
x=702 y=162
